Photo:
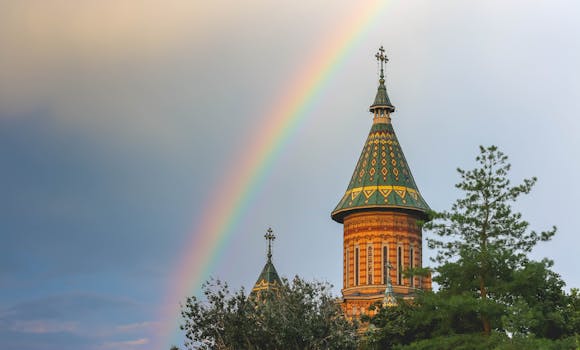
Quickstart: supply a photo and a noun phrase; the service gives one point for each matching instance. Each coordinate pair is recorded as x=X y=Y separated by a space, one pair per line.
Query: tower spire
x=382 y=106
x=268 y=279
x=382 y=179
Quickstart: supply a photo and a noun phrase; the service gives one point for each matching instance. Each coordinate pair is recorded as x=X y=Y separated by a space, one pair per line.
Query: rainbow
x=279 y=123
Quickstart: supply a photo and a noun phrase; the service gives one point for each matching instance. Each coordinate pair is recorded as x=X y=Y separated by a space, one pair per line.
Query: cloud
x=43 y=326
x=86 y=321
x=71 y=306
x=40 y=40
x=131 y=327
x=111 y=66
x=65 y=312
x=126 y=343
x=146 y=69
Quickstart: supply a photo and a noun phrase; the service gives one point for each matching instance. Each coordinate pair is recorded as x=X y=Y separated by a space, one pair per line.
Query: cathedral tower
x=381 y=211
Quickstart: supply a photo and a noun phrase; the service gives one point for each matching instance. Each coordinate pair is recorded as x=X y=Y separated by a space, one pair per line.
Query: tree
x=536 y=302
x=429 y=315
x=573 y=313
x=481 y=240
x=486 y=280
x=298 y=315
x=389 y=326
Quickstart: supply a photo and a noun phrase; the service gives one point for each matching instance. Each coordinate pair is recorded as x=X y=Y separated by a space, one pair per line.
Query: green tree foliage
x=491 y=295
x=299 y=315
x=389 y=326
x=573 y=312
x=535 y=302
x=497 y=341
x=430 y=315
x=482 y=241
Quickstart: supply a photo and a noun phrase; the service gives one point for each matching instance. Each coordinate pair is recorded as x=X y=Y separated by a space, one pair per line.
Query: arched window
x=400 y=265
x=385 y=263
x=370 y=264
x=356 y=266
x=412 y=264
x=346 y=267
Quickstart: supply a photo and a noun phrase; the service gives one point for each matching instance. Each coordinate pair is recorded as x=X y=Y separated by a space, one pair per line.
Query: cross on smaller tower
x=389 y=299
x=270 y=237
x=389 y=267
x=382 y=58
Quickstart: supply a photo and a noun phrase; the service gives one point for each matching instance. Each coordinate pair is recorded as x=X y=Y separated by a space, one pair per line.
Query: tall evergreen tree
x=486 y=280
x=481 y=241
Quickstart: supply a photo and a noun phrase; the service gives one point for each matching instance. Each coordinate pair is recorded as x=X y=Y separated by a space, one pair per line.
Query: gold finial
x=270 y=237
x=382 y=58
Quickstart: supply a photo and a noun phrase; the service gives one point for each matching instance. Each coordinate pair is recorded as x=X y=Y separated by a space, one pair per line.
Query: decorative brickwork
x=385 y=232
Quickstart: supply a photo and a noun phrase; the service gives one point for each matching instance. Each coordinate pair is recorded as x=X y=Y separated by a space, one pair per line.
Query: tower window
x=412 y=264
x=346 y=267
x=370 y=264
x=399 y=265
x=356 y=266
x=385 y=263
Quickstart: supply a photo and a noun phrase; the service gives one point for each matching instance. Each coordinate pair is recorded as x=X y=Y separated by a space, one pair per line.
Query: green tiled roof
x=268 y=278
x=382 y=178
x=382 y=98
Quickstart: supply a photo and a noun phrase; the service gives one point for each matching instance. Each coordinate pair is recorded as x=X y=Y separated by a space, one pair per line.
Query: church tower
x=268 y=279
x=381 y=212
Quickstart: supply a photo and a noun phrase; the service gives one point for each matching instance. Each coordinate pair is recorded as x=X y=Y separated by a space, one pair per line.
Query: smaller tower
x=390 y=299
x=268 y=279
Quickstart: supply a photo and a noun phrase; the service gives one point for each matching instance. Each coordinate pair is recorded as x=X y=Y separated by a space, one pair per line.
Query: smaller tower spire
x=382 y=102
x=389 y=299
x=270 y=237
x=268 y=279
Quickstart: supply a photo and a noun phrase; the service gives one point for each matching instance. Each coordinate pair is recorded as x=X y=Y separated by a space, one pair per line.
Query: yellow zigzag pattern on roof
x=384 y=190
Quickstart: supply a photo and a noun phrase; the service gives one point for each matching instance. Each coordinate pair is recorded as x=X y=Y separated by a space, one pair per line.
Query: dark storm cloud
x=65 y=202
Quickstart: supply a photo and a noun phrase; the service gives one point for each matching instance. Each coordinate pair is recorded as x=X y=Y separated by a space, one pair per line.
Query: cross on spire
x=270 y=237
x=382 y=58
x=382 y=106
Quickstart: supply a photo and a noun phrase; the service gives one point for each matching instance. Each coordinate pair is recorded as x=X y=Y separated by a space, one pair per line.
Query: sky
x=122 y=121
